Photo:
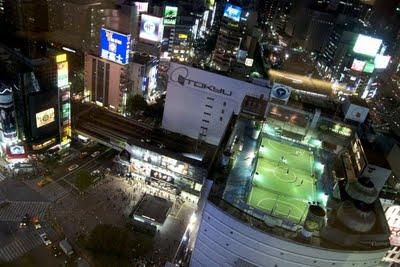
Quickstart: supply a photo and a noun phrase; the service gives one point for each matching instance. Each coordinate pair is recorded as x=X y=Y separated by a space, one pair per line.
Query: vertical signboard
x=170 y=15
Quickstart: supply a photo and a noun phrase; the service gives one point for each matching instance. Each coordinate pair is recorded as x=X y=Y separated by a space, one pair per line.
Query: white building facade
x=223 y=240
x=199 y=104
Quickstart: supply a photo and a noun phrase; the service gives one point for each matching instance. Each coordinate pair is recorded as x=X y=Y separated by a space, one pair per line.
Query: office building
x=143 y=73
x=200 y=104
x=106 y=83
x=260 y=213
x=40 y=90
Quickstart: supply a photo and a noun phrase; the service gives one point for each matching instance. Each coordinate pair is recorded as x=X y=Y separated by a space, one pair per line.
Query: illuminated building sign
x=61 y=58
x=369 y=67
x=249 y=62
x=232 y=12
x=358 y=65
x=180 y=75
x=151 y=28
x=367 y=45
x=182 y=36
x=62 y=74
x=115 y=46
x=170 y=14
x=142 y=7
x=162 y=176
x=381 y=62
x=66 y=108
x=45 y=117
x=17 y=150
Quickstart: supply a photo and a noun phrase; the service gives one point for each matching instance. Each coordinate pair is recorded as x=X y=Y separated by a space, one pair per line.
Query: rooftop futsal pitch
x=284 y=180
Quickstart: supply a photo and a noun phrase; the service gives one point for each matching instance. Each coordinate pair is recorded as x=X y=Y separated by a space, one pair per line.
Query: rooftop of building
x=142 y=58
x=237 y=186
x=102 y=124
x=153 y=208
x=374 y=153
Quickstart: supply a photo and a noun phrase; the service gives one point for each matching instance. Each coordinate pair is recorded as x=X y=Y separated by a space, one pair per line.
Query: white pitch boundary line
x=280 y=201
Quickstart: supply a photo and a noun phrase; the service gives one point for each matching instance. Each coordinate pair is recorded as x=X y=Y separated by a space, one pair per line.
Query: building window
x=220 y=119
x=206 y=121
x=208 y=106
x=223 y=111
x=224 y=104
x=210 y=98
x=206 y=113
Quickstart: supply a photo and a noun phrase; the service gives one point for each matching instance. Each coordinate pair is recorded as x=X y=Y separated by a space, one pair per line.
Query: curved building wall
x=225 y=241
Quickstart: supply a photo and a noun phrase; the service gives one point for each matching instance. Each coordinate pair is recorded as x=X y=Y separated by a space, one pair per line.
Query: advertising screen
x=151 y=28
x=45 y=117
x=232 y=12
x=115 y=46
x=142 y=7
x=369 y=67
x=170 y=14
x=62 y=74
x=358 y=65
x=367 y=45
x=381 y=62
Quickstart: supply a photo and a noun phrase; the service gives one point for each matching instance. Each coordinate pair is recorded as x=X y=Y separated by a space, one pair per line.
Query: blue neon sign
x=115 y=46
x=233 y=12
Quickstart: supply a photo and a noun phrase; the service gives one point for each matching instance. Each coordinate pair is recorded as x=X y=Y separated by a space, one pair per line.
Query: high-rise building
x=235 y=24
x=249 y=218
x=274 y=12
x=319 y=29
x=40 y=89
x=106 y=83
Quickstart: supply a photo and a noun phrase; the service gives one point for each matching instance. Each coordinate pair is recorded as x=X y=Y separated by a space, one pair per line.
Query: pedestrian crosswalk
x=20 y=245
x=51 y=192
x=54 y=191
x=2 y=177
x=16 y=210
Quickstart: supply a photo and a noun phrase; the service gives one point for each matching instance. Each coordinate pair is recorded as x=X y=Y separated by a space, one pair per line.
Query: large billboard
x=358 y=65
x=369 y=67
x=142 y=7
x=151 y=28
x=367 y=45
x=381 y=61
x=45 y=117
x=170 y=14
x=115 y=46
x=233 y=12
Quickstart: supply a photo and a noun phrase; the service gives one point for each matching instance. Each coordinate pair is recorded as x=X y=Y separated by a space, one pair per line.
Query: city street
x=110 y=202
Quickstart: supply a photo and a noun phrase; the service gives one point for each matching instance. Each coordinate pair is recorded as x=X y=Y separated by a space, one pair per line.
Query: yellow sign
x=44 y=117
x=182 y=36
x=61 y=58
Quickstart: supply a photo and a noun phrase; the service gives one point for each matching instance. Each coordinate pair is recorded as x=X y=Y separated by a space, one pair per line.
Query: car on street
x=45 y=239
x=56 y=251
x=95 y=154
x=73 y=167
x=95 y=172
x=83 y=154
x=46 y=180
x=25 y=220
x=36 y=222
